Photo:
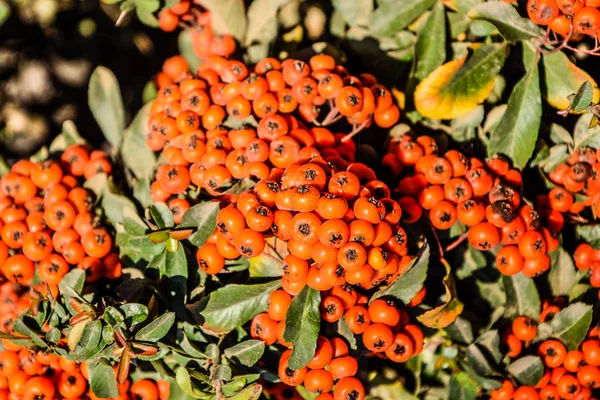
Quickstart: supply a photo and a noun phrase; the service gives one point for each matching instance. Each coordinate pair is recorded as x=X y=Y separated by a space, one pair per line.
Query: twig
x=457 y=242
x=354 y=132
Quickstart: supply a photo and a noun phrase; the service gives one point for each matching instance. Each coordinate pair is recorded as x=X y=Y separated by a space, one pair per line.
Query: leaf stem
x=457 y=242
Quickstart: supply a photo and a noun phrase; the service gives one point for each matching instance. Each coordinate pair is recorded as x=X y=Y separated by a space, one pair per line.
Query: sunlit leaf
x=106 y=104
x=457 y=87
x=563 y=78
x=507 y=20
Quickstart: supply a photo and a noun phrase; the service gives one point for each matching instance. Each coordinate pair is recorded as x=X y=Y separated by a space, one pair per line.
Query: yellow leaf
x=456 y=88
x=563 y=78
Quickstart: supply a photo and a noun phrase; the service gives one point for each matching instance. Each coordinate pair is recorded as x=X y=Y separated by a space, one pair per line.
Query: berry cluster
x=579 y=175
x=30 y=375
x=588 y=259
x=187 y=120
x=568 y=374
x=48 y=224
x=342 y=238
x=566 y=17
x=193 y=17
x=484 y=196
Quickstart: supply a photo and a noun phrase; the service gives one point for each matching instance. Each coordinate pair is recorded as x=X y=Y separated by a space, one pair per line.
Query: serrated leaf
x=302 y=324
x=233 y=305
x=563 y=78
x=106 y=104
x=527 y=370
x=570 y=325
x=522 y=297
x=227 y=16
x=507 y=20
x=203 y=218
x=156 y=329
x=516 y=134
x=392 y=17
x=563 y=275
x=457 y=87
x=406 y=286
x=247 y=353
x=102 y=380
x=136 y=155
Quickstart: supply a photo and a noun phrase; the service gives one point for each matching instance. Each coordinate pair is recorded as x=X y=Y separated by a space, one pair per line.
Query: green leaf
x=75 y=279
x=406 y=286
x=246 y=353
x=522 y=297
x=570 y=325
x=233 y=305
x=560 y=135
x=106 y=104
x=4 y=168
x=584 y=135
x=507 y=20
x=203 y=218
x=563 y=275
x=68 y=136
x=262 y=21
x=147 y=5
x=465 y=128
x=354 y=12
x=264 y=266
x=527 y=370
x=460 y=330
x=89 y=340
x=227 y=16
x=186 y=48
x=20 y=327
x=344 y=331
x=583 y=98
x=430 y=49
x=392 y=17
x=516 y=134
x=590 y=233
x=147 y=18
x=162 y=215
x=150 y=92
x=302 y=324
x=252 y=392
x=156 y=329
x=135 y=313
x=462 y=387
x=114 y=205
x=175 y=263
x=562 y=78
x=136 y=155
x=4 y=12
x=102 y=380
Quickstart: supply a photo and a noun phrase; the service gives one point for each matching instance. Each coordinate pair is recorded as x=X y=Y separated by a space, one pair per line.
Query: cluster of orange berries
x=47 y=221
x=568 y=375
x=190 y=16
x=568 y=18
x=588 y=259
x=484 y=196
x=29 y=375
x=187 y=117
x=341 y=236
x=579 y=175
